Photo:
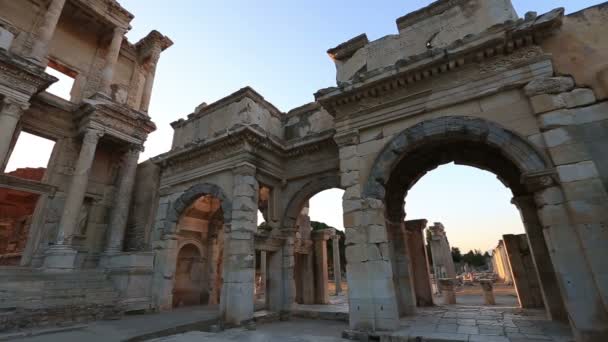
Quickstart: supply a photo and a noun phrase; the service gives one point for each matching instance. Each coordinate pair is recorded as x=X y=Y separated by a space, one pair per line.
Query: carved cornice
x=19 y=74
x=150 y=47
x=499 y=40
x=101 y=112
x=242 y=140
x=348 y=48
x=108 y=10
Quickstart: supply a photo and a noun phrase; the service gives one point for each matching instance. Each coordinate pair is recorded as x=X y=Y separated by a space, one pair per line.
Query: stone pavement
x=295 y=330
x=483 y=324
x=129 y=328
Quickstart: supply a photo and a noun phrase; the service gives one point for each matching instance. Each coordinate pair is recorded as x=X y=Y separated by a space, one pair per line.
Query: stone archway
x=381 y=290
x=185 y=200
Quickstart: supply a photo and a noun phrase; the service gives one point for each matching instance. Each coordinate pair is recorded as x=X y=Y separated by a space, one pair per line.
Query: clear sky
x=278 y=47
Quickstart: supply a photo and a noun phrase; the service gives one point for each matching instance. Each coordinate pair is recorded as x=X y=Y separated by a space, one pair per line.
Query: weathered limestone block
x=546 y=102
x=549 y=85
x=579 y=97
x=488 y=292
x=446 y=286
x=420 y=266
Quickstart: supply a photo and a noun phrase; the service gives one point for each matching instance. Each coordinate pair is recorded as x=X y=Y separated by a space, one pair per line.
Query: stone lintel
x=416 y=225
x=324 y=234
x=26 y=185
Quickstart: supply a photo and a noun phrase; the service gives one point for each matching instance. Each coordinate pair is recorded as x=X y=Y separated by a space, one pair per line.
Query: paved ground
x=182 y=319
x=483 y=324
x=296 y=330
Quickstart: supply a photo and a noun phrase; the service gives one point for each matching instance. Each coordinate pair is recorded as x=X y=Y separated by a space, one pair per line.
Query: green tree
x=474 y=258
x=456 y=255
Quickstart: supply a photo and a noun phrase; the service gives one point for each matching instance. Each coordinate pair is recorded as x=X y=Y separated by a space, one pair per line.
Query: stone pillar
x=9 y=118
x=149 y=83
x=122 y=201
x=236 y=303
x=45 y=31
x=61 y=255
x=441 y=253
x=552 y=298
x=337 y=267
x=320 y=238
x=263 y=274
x=524 y=272
x=402 y=268
x=488 y=292
x=107 y=73
x=446 y=286
x=308 y=277
x=287 y=255
x=420 y=267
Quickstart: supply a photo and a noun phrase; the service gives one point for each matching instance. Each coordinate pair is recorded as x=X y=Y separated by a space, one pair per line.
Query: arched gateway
x=465 y=81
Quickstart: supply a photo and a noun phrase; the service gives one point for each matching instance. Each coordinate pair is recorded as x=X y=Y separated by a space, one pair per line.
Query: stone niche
x=433 y=27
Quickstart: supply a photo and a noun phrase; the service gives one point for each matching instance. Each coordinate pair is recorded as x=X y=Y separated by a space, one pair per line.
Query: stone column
x=320 y=238
x=44 y=32
x=446 y=286
x=60 y=255
x=420 y=267
x=287 y=255
x=488 y=292
x=337 y=267
x=308 y=277
x=402 y=268
x=236 y=303
x=441 y=253
x=149 y=83
x=122 y=201
x=9 y=118
x=107 y=73
x=552 y=298
x=263 y=274
x=524 y=273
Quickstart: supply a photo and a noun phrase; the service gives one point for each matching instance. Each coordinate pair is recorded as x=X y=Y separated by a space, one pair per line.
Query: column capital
x=244 y=169
x=540 y=180
x=13 y=107
x=92 y=136
x=415 y=225
x=523 y=201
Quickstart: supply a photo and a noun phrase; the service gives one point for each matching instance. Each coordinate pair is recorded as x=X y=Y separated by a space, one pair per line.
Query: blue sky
x=278 y=47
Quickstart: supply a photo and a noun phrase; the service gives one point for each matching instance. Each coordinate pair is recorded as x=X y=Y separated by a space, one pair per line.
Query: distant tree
x=456 y=255
x=474 y=258
x=319 y=225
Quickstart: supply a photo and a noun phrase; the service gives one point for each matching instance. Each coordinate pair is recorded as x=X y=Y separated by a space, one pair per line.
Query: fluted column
x=9 y=118
x=45 y=31
x=78 y=187
x=107 y=74
x=149 y=84
x=118 y=220
x=337 y=268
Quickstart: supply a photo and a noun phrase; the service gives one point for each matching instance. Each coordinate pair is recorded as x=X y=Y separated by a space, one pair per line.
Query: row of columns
x=60 y=255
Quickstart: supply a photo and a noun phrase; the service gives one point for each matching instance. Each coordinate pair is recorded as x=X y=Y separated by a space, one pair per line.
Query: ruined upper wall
x=580 y=46
x=243 y=108
x=435 y=26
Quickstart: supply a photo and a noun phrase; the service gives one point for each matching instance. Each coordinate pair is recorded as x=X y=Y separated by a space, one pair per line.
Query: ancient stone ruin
x=464 y=81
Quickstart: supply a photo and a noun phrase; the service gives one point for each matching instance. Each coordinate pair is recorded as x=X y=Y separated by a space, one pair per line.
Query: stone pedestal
x=320 y=238
x=488 y=292
x=60 y=258
x=420 y=267
x=446 y=286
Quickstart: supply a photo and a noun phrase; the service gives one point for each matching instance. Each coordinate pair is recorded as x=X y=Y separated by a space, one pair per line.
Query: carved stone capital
x=347 y=138
x=244 y=169
x=539 y=180
x=13 y=108
x=92 y=136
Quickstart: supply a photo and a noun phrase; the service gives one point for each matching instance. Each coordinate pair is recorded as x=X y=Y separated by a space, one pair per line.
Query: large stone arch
x=308 y=190
x=186 y=199
x=475 y=131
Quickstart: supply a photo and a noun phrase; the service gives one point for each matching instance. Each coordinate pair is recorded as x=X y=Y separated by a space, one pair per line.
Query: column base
x=60 y=258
